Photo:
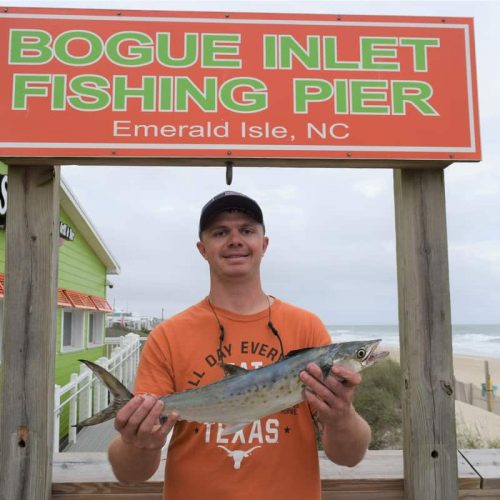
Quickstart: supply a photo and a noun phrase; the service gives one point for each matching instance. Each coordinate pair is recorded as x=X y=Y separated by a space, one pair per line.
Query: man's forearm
x=131 y=464
x=346 y=444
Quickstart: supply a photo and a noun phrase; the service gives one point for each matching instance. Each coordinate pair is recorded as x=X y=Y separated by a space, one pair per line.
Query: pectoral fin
x=233 y=370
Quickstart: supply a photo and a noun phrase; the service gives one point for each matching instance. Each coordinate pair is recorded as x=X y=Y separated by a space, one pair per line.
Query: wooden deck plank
x=487 y=465
x=96 y=438
x=88 y=475
x=383 y=466
x=71 y=470
x=134 y=496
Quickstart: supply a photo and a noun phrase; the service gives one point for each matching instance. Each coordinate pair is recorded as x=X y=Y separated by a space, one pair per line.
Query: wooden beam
x=27 y=378
x=429 y=434
x=348 y=162
x=88 y=476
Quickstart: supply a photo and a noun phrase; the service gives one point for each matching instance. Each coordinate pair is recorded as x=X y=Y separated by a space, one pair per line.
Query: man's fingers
x=122 y=417
x=318 y=406
x=131 y=416
x=169 y=423
x=347 y=377
x=319 y=389
x=150 y=420
x=135 y=420
x=337 y=386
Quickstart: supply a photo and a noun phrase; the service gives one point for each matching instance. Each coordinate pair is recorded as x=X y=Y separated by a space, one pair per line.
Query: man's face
x=233 y=244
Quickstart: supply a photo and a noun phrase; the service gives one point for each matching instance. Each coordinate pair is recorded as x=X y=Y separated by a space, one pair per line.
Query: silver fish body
x=244 y=396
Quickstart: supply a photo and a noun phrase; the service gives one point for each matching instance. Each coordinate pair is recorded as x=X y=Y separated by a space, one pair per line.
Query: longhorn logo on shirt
x=238 y=455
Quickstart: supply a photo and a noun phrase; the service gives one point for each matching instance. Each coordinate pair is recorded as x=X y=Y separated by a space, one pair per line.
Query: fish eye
x=361 y=353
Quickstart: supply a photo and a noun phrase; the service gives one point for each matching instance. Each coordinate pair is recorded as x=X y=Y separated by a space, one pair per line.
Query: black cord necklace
x=222 y=333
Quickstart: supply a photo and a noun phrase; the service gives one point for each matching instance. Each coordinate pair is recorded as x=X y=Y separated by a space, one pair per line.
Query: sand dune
x=479 y=425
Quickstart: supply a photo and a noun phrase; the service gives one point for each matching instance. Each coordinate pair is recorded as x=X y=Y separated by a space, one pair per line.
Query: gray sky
x=332 y=238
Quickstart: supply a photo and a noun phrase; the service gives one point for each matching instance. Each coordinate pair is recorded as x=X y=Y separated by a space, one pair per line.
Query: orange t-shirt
x=272 y=458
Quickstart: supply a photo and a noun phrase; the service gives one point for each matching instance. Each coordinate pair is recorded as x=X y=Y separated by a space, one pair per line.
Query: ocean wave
x=476 y=340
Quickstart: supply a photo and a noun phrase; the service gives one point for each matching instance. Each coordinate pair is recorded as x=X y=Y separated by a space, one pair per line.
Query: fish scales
x=254 y=395
x=244 y=396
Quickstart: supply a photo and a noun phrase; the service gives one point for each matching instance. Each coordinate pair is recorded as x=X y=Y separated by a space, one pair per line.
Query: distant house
x=131 y=320
x=84 y=263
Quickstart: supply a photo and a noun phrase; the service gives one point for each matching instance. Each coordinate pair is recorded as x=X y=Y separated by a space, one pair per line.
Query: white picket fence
x=86 y=394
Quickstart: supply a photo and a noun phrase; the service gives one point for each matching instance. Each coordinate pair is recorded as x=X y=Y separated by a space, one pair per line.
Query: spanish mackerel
x=244 y=396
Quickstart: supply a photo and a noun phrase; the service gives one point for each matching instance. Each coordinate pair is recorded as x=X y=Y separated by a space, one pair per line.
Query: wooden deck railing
x=88 y=476
x=84 y=395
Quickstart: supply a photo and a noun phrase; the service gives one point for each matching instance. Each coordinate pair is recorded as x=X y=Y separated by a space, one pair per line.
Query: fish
x=244 y=396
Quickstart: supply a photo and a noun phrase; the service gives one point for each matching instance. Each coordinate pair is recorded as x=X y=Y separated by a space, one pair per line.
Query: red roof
x=79 y=300
x=62 y=299
x=101 y=303
x=72 y=299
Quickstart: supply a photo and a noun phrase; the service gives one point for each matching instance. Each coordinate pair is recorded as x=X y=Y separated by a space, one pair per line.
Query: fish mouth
x=372 y=356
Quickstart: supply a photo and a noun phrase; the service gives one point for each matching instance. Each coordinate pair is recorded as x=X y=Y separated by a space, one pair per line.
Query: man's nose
x=234 y=238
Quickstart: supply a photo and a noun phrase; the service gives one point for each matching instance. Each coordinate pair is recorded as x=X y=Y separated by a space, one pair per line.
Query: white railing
x=86 y=395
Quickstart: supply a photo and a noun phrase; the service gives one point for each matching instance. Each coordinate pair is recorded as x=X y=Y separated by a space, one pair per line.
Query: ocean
x=472 y=340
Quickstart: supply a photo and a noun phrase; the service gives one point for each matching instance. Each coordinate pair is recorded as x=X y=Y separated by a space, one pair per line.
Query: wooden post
x=27 y=381
x=489 y=387
x=430 y=452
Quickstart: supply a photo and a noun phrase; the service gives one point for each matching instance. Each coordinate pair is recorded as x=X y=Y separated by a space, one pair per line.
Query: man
x=238 y=323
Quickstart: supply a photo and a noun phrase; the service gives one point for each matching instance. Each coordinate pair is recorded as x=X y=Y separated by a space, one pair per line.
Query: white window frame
x=98 y=328
x=77 y=330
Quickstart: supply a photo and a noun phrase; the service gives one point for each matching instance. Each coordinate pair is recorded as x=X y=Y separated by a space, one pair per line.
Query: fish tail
x=120 y=395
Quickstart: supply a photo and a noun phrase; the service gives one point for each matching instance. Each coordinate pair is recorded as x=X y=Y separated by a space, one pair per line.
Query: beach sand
x=469 y=369
x=476 y=423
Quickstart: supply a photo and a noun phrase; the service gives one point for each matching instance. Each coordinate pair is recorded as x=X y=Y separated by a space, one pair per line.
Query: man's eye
x=218 y=233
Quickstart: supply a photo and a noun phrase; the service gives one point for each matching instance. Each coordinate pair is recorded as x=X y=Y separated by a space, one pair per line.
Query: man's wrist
x=133 y=447
x=342 y=422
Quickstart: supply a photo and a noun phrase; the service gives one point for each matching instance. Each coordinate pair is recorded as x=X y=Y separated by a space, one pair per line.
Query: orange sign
x=80 y=83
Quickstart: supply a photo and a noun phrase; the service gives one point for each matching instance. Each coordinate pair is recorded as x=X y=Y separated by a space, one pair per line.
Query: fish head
x=357 y=355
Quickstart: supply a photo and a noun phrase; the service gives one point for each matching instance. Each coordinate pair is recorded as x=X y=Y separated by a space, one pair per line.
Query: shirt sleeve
x=154 y=373
x=321 y=336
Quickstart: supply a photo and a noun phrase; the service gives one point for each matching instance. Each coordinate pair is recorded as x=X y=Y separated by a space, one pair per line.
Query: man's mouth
x=236 y=256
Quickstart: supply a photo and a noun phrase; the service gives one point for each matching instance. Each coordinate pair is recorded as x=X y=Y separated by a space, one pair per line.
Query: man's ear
x=265 y=245
x=201 y=248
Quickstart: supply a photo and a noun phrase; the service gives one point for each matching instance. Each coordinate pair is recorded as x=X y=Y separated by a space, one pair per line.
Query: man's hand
x=330 y=398
x=139 y=423
x=344 y=433
x=135 y=454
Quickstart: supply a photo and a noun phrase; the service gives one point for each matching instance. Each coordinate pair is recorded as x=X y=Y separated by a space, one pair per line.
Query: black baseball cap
x=229 y=200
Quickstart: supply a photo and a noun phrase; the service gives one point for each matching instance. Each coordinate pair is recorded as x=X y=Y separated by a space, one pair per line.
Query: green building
x=84 y=263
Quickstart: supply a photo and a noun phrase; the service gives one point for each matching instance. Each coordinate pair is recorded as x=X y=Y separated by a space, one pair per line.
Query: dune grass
x=378 y=400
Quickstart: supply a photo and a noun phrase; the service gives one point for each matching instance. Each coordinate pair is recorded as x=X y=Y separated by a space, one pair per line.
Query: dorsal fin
x=233 y=370
x=298 y=351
